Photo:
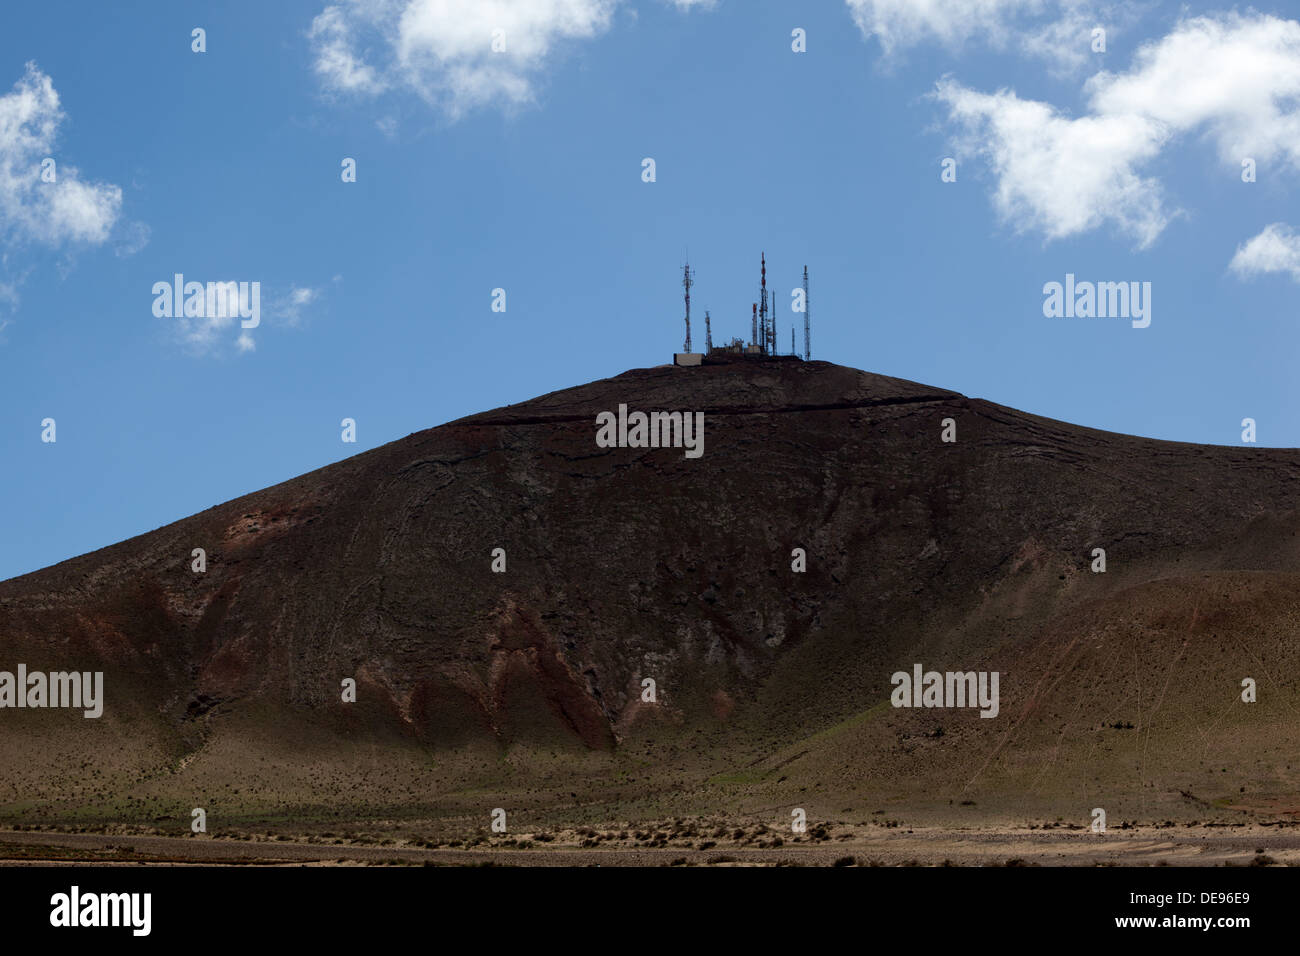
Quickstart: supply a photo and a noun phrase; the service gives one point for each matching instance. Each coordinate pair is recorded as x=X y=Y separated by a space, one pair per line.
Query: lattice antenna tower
x=771 y=313
x=807 y=326
x=688 y=280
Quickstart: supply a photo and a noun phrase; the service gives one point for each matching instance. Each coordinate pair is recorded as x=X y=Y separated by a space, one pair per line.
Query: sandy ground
x=1236 y=846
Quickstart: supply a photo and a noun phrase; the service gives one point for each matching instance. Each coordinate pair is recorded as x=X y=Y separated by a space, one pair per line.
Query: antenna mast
x=807 y=334
x=708 y=333
x=771 y=312
x=687 y=281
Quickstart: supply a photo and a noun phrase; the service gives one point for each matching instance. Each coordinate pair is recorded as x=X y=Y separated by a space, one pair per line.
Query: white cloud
x=1058 y=175
x=693 y=4
x=338 y=67
x=52 y=213
x=204 y=334
x=9 y=298
x=904 y=23
x=290 y=308
x=443 y=49
x=208 y=334
x=1276 y=249
x=1065 y=43
x=1058 y=31
x=130 y=238
x=1233 y=78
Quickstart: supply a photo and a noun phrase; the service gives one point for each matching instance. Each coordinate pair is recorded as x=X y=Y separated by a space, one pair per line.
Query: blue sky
x=521 y=169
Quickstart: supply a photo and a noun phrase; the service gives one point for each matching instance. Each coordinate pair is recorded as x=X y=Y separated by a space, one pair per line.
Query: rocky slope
x=1118 y=689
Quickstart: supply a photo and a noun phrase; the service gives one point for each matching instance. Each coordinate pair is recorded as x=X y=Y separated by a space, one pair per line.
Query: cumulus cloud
x=1233 y=78
x=1276 y=249
x=457 y=54
x=290 y=308
x=204 y=334
x=66 y=210
x=1058 y=31
x=207 y=334
x=333 y=34
x=9 y=299
x=1058 y=175
x=130 y=238
x=1066 y=42
x=904 y=23
x=1236 y=77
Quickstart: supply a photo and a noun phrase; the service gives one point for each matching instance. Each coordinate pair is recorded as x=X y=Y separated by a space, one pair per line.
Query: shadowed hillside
x=523 y=689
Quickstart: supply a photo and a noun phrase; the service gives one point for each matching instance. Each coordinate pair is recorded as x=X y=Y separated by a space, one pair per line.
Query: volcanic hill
x=523 y=689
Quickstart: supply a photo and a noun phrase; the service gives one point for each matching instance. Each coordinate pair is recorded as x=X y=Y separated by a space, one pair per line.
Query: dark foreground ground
x=1148 y=846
